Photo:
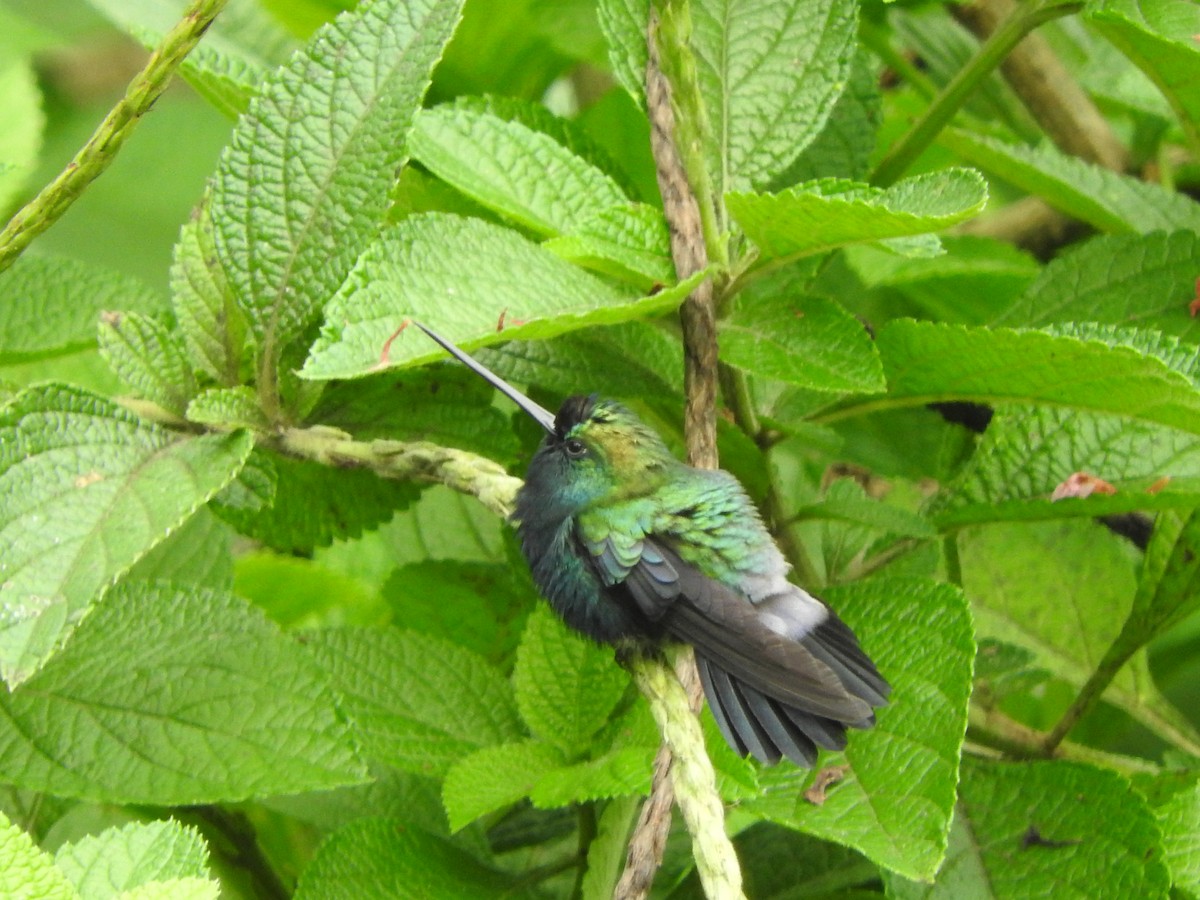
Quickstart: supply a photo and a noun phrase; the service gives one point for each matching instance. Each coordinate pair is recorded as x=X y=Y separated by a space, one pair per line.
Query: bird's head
x=596 y=451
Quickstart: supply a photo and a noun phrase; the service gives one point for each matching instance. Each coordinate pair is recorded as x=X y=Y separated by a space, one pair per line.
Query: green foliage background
x=237 y=661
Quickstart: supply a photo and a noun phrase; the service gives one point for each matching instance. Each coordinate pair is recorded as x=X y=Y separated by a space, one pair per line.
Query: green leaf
x=170 y=697
x=617 y=773
x=1102 y=198
x=415 y=270
x=769 y=75
x=624 y=25
x=444 y=524
x=389 y=858
x=417 y=703
x=630 y=242
x=299 y=593
x=445 y=404
x=993 y=274
x=87 y=489
x=1124 y=279
x=1047 y=829
x=225 y=408
x=521 y=173
x=147 y=357
x=897 y=798
x=27 y=872
x=101 y=866
x=822 y=215
x=21 y=122
x=634 y=359
x=1027 y=452
x=198 y=553
x=480 y=606
x=806 y=341
x=567 y=132
x=1169 y=584
x=846 y=501
x=1159 y=36
x=499 y=48
x=928 y=362
x=843 y=147
x=493 y=778
x=566 y=685
x=1174 y=798
x=296 y=505
x=1005 y=572
x=316 y=155
x=50 y=306
x=213 y=327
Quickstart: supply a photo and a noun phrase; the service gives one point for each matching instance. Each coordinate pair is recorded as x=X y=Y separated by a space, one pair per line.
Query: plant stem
x=1024 y=18
x=690 y=255
x=101 y=149
x=464 y=472
x=693 y=777
x=1046 y=87
x=996 y=730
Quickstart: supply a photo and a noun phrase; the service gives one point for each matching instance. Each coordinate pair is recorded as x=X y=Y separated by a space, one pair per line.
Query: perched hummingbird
x=630 y=545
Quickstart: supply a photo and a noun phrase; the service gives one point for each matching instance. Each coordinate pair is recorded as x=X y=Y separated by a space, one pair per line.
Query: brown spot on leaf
x=815 y=793
x=90 y=478
x=1159 y=485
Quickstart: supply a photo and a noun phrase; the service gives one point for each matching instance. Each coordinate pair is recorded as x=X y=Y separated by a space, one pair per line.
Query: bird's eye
x=575 y=448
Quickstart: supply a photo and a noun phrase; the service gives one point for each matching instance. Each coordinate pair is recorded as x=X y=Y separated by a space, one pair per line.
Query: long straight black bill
x=539 y=413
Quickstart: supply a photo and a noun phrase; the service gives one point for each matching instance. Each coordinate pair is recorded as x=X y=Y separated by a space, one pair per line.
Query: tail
x=756 y=721
x=777 y=685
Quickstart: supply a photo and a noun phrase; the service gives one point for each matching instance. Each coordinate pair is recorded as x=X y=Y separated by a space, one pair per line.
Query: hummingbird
x=633 y=547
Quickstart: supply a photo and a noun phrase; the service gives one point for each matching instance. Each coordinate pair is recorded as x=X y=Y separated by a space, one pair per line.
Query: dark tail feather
x=833 y=643
x=755 y=725
x=757 y=721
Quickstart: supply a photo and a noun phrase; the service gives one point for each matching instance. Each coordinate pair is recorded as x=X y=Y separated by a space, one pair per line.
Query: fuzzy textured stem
x=101 y=149
x=1024 y=19
x=693 y=777
x=464 y=472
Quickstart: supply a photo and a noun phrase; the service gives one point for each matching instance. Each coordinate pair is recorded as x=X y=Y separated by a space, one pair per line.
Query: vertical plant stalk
x=678 y=773
x=1023 y=19
x=690 y=254
x=101 y=149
